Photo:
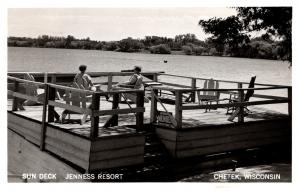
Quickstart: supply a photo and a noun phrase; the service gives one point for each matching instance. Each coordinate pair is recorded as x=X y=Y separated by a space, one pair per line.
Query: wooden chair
x=75 y=99
x=208 y=97
x=235 y=98
x=32 y=90
x=138 y=85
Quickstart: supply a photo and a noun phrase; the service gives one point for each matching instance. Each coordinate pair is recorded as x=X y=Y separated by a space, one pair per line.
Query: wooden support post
x=193 y=86
x=95 y=119
x=155 y=77
x=51 y=110
x=178 y=111
x=113 y=119
x=241 y=99
x=153 y=111
x=15 y=99
x=115 y=105
x=140 y=115
x=109 y=82
x=53 y=79
x=45 y=77
x=290 y=101
x=44 y=123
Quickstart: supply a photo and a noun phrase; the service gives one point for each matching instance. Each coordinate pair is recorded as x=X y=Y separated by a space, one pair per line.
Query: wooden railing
x=176 y=90
x=49 y=103
x=180 y=107
x=67 y=78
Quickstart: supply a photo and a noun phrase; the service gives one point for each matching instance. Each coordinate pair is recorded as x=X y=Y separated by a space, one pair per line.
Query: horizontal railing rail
x=92 y=74
x=25 y=81
x=219 y=80
x=234 y=104
x=171 y=89
x=67 y=78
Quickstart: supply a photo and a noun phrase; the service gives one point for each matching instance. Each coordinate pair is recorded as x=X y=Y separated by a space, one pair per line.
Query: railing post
x=240 y=85
x=153 y=111
x=140 y=115
x=193 y=86
x=241 y=99
x=53 y=79
x=290 y=101
x=115 y=105
x=109 y=82
x=155 y=77
x=45 y=77
x=178 y=109
x=51 y=111
x=15 y=99
x=95 y=119
x=44 y=123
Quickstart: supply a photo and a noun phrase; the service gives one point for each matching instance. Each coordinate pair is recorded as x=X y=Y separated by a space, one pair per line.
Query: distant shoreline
x=148 y=52
x=184 y=44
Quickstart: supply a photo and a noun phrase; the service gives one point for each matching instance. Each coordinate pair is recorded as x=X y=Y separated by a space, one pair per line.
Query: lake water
x=225 y=68
x=68 y=60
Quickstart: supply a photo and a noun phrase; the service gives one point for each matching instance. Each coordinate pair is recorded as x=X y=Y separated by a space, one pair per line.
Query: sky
x=107 y=24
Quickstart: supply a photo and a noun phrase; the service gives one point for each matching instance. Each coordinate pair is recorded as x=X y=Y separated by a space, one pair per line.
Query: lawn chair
x=235 y=98
x=138 y=85
x=75 y=99
x=32 y=90
x=208 y=97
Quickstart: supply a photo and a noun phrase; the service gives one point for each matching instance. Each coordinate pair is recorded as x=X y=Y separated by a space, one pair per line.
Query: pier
x=171 y=134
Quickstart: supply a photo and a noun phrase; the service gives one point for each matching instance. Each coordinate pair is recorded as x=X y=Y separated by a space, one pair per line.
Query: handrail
x=218 y=90
x=225 y=81
x=118 y=111
x=25 y=81
x=72 y=89
x=235 y=104
x=92 y=74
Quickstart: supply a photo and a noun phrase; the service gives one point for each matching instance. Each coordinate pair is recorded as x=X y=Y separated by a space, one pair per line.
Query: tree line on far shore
x=182 y=44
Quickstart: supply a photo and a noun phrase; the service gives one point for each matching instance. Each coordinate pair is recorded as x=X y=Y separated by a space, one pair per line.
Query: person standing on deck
x=82 y=79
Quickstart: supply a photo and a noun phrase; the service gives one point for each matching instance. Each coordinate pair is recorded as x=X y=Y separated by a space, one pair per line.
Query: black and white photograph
x=149 y=94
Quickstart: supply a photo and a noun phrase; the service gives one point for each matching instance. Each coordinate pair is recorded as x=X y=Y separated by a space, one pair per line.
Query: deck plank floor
x=191 y=118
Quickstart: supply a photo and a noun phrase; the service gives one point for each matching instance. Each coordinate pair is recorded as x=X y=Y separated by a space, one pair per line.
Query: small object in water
x=165 y=61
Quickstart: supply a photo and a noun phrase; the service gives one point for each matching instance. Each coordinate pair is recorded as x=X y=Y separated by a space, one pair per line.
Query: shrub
x=160 y=49
x=198 y=50
x=110 y=46
x=187 y=50
x=213 y=52
x=130 y=45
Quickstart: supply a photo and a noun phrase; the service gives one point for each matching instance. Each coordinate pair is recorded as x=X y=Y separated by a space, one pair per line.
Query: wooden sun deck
x=190 y=131
x=191 y=118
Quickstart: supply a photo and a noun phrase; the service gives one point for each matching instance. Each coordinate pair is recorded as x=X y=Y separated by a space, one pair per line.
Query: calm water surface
x=68 y=60
x=226 y=68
